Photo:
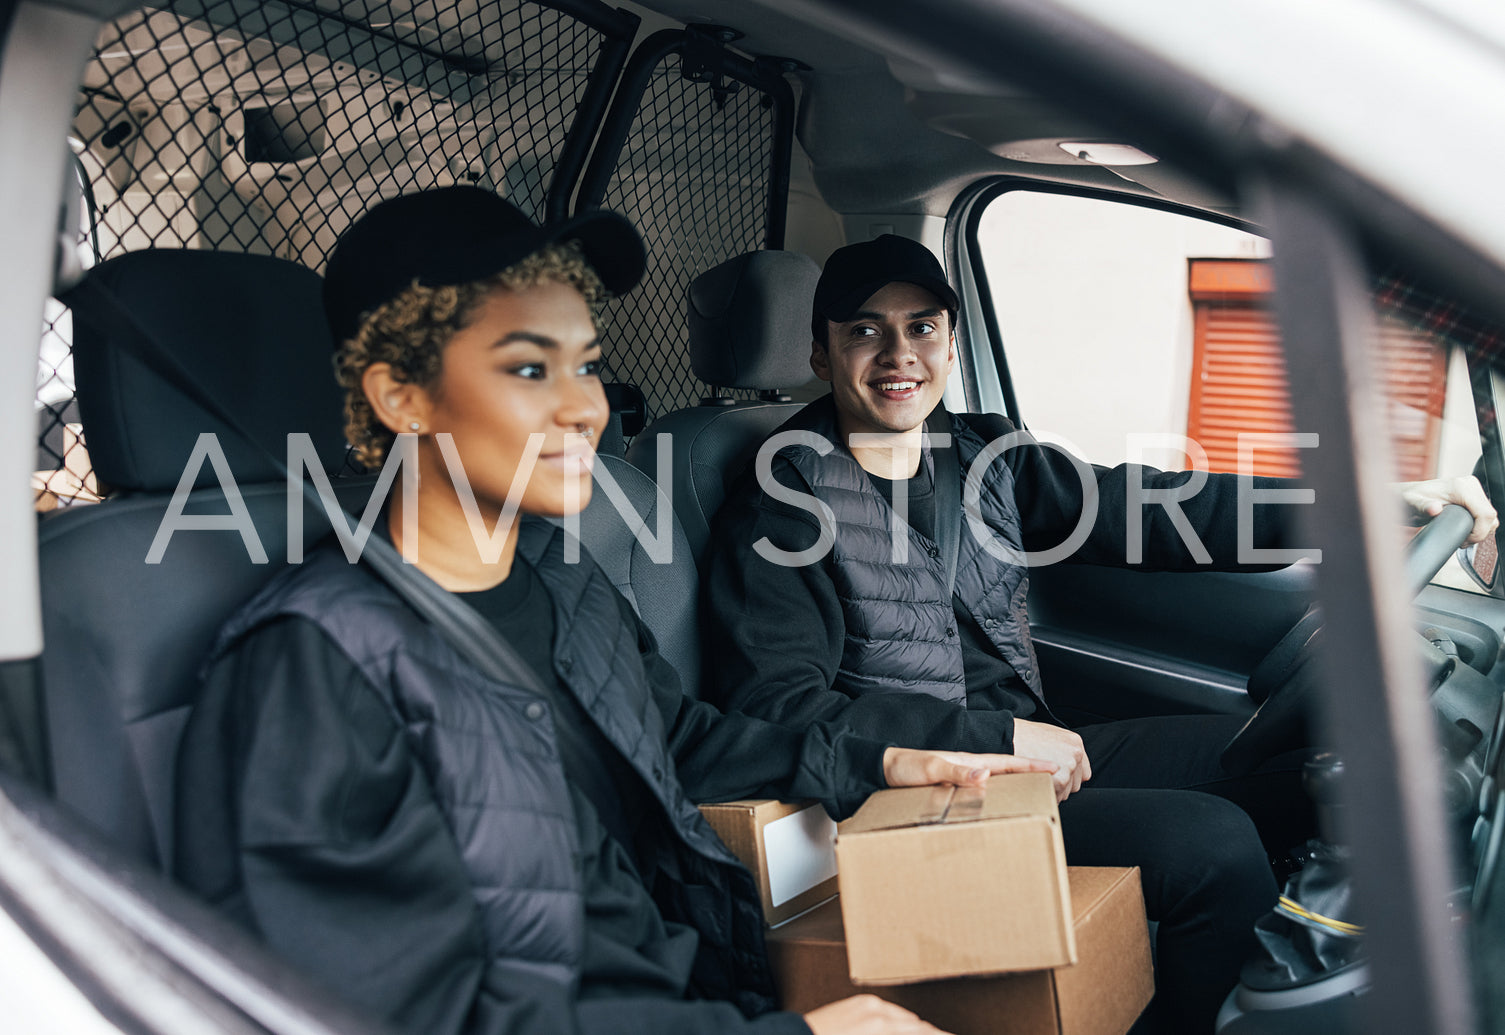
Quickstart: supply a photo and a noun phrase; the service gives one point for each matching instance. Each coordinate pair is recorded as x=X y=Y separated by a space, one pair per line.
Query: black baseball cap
x=455 y=235
x=853 y=274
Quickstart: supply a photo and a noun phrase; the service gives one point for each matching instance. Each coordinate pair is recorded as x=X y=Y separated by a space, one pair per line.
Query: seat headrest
x=249 y=329
x=750 y=321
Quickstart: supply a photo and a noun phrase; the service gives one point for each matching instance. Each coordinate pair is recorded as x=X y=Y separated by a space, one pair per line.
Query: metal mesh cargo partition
x=695 y=151
x=245 y=126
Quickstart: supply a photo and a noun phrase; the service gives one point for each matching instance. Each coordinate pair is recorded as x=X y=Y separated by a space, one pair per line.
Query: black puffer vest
x=901 y=634
x=489 y=753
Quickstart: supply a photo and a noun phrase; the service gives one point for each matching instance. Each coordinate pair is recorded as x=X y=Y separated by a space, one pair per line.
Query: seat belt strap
x=948 y=521
x=948 y=501
x=465 y=630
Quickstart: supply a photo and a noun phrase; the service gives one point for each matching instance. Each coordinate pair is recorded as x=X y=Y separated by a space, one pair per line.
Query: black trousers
x=1159 y=799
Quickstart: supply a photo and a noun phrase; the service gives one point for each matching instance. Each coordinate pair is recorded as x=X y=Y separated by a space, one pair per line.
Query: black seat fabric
x=125 y=638
x=664 y=594
x=749 y=321
x=710 y=447
x=248 y=328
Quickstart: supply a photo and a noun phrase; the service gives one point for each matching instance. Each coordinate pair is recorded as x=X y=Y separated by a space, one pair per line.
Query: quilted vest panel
x=901 y=634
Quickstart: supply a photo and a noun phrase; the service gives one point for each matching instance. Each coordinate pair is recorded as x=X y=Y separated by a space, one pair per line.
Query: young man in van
x=916 y=630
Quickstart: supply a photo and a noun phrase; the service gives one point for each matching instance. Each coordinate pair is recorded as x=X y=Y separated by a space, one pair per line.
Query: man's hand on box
x=1430 y=497
x=866 y=1015
x=908 y=767
x=1061 y=749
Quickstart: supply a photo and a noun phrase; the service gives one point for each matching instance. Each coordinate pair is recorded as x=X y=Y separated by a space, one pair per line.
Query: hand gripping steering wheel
x=1285 y=683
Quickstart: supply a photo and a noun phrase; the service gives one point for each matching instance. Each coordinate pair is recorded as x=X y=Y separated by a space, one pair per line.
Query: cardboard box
x=950 y=881
x=1101 y=994
x=788 y=846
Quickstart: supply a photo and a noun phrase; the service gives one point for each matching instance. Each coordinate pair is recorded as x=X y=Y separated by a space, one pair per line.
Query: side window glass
x=1126 y=327
x=1094 y=304
x=63 y=474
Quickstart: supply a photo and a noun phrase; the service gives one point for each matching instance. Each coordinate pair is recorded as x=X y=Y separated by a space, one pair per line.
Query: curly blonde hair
x=409 y=333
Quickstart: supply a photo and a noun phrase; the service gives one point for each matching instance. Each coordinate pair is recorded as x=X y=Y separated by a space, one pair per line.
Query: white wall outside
x=1095 y=314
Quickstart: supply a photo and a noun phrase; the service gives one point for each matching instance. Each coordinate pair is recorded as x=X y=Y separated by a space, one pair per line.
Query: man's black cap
x=455 y=235
x=855 y=273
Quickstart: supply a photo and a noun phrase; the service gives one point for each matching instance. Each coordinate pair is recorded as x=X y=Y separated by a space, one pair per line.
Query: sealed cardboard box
x=950 y=881
x=1101 y=994
x=788 y=846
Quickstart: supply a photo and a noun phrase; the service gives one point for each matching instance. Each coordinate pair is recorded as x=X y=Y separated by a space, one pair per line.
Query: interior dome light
x=1106 y=154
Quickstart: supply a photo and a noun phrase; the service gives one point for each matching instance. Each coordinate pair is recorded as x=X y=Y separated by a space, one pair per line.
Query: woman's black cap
x=455 y=235
x=855 y=273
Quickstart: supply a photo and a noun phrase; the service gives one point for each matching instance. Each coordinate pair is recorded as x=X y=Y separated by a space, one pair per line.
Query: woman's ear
x=399 y=405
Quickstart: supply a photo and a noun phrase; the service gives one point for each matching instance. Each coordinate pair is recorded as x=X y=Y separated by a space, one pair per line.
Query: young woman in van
x=455 y=853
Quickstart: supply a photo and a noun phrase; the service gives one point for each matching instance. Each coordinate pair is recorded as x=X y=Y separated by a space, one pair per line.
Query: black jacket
x=435 y=877
x=778 y=638
x=902 y=633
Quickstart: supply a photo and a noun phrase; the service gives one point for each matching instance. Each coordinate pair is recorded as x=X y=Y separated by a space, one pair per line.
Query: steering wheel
x=1285 y=683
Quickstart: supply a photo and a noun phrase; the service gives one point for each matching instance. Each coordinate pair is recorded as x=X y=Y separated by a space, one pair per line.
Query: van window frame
x=966 y=216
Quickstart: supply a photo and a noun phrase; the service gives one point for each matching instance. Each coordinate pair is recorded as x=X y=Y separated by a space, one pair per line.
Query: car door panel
x=1115 y=643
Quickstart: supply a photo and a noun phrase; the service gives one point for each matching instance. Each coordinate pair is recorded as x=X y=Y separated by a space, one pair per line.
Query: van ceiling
x=885 y=134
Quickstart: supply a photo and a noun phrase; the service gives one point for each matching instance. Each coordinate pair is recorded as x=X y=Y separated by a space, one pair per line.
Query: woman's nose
x=582 y=401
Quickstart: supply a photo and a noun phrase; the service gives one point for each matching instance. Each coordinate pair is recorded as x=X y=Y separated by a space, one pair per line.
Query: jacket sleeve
x=305 y=815
x=724 y=756
x=774 y=638
x=1052 y=498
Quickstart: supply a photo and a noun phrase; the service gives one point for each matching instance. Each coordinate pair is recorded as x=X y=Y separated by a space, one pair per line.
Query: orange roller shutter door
x=1239 y=382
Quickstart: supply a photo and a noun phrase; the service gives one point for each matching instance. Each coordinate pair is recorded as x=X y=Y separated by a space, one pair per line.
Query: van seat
x=749 y=323
x=665 y=595
x=124 y=638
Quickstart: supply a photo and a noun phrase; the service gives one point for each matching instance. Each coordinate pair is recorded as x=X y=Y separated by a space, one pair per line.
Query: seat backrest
x=749 y=322
x=125 y=637
x=125 y=640
x=664 y=593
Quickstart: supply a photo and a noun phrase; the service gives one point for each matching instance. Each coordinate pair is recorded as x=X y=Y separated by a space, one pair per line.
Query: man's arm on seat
x=774 y=637
x=1049 y=494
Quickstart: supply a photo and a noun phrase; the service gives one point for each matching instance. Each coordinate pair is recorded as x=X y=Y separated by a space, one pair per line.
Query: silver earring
x=586 y=431
x=416 y=426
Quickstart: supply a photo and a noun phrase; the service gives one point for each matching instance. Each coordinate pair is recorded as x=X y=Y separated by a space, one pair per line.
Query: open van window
x=64 y=475
x=1144 y=334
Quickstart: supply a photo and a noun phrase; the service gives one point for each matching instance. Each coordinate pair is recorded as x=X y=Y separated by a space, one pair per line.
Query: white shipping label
x=801 y=852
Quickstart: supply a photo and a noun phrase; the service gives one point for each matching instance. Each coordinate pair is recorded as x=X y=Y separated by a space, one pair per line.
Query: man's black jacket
x=775 y=635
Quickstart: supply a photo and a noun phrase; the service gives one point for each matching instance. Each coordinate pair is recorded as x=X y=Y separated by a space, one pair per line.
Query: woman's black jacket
x=433 y=876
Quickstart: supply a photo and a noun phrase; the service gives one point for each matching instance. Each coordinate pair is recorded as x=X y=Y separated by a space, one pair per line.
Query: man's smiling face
x=888 y=364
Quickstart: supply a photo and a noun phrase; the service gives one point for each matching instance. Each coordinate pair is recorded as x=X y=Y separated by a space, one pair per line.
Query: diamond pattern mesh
x=693 y=176
x=266 y=127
